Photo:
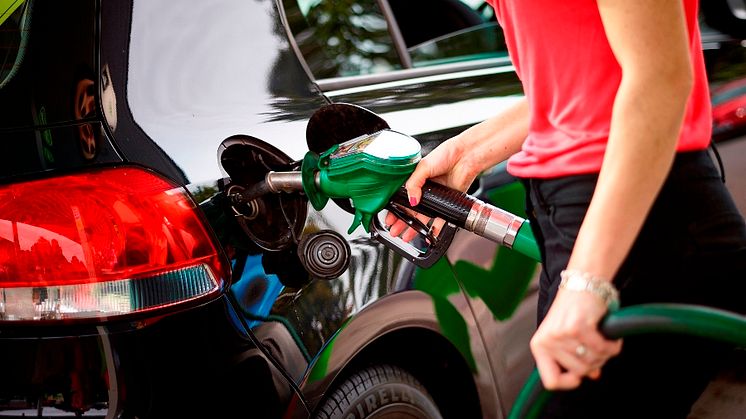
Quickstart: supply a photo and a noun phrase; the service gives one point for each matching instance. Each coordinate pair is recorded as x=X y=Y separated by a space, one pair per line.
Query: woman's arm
x=650 y=41
x=458 y=160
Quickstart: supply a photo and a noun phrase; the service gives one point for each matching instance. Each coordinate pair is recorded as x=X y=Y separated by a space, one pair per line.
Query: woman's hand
x=567 y=345
x=447 y=165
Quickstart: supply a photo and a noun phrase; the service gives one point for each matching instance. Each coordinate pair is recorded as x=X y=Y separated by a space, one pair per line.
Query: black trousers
x=691 y=249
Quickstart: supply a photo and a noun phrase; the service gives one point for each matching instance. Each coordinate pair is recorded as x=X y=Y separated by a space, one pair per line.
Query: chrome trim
x=334 y=86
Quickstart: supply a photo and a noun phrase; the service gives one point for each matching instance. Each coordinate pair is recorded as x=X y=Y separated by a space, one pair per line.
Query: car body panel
x=188 y=96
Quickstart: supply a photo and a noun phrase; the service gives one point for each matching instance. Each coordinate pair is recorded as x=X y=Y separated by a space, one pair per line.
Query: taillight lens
x=101 y=244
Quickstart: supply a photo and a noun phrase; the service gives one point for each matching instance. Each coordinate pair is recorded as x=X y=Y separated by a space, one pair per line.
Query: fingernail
x=412 y=201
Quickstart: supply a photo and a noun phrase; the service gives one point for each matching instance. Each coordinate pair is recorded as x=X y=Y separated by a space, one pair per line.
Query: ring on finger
x=581 y=350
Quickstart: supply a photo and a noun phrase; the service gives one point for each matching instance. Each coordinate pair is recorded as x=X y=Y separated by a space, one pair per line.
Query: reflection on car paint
x=320 y=367
x=256 y=291
x=439 y=284
x=503 y=286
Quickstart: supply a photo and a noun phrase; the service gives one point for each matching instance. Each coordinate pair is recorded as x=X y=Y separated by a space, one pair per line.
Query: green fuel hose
x=692 y=320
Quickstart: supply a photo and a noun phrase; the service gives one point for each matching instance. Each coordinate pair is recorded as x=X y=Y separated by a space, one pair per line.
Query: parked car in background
x=729 y=110
x=131 y=285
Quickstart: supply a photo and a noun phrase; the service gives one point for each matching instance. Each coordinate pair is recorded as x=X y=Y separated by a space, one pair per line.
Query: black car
x=133 y=285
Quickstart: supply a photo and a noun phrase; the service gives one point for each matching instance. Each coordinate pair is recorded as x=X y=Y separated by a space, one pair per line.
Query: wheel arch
x=401 y=333
x=432 y=359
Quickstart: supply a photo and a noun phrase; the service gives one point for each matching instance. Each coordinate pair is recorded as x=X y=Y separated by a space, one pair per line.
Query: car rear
x=111 y=280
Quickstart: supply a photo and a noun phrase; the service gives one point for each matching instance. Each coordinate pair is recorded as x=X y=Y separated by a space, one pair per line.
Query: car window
x=474 y=43
x=447 y=31
x=340 y=38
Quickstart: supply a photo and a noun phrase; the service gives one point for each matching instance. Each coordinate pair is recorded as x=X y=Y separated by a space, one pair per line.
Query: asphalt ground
x=725 y=397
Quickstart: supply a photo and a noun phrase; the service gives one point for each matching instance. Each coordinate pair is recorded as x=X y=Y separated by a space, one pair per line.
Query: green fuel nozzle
x=368 y=170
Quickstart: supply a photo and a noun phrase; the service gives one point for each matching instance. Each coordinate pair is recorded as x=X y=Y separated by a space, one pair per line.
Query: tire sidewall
x=378 y=391
x=389 y=398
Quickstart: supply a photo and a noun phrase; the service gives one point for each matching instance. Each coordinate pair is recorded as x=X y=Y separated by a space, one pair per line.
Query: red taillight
x=100 y=244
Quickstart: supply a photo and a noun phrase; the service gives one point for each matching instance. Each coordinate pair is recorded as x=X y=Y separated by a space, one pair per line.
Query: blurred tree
x=344 y=38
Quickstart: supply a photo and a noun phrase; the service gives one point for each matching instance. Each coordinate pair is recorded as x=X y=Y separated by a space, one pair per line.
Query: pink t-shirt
x=571 y=77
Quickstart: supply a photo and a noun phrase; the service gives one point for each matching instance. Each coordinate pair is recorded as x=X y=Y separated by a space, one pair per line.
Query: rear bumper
x=184 y=363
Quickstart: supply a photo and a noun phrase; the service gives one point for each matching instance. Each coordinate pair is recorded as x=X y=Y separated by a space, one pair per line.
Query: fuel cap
x=324 y=254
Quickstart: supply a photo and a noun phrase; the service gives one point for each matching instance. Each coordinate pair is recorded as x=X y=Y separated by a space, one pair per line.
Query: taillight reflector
x=101 y=244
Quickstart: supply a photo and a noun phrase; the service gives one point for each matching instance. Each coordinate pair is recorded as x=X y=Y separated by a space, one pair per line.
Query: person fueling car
x=611 y=142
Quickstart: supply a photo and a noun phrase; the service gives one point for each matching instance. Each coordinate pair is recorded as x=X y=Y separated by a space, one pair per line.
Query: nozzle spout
x=284 y=181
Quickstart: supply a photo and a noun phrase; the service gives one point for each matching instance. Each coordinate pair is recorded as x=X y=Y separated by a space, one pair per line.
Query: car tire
x=379 y=391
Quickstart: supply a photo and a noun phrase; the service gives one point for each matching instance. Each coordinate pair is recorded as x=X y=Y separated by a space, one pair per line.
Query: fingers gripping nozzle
x=466 y=212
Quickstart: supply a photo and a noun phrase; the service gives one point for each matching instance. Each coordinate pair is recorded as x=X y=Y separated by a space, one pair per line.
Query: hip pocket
x=565 y=221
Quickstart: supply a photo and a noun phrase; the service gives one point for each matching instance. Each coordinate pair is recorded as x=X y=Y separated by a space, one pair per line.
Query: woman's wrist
x=464 y=158
x=575 y=280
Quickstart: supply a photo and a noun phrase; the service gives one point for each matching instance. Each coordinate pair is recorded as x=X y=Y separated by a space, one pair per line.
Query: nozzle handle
x=474 y=215
x=422 y=258
x=440 y=201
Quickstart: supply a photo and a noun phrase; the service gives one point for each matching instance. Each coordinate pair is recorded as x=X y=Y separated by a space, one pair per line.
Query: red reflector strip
x=105 y=299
